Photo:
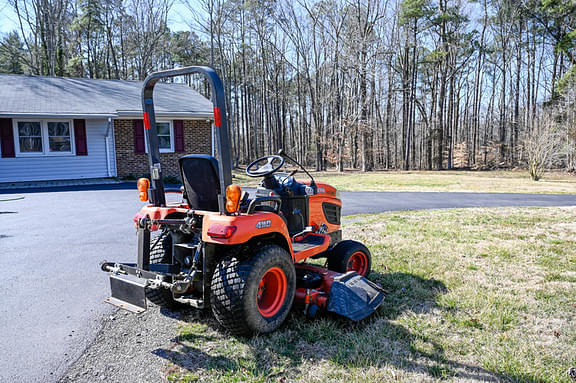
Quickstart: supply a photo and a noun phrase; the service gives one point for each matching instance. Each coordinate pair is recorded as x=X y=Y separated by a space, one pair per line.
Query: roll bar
x=221 y=129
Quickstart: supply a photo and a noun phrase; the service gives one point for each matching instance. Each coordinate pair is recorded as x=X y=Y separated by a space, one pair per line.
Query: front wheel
x=350 y=256
x=254 y=295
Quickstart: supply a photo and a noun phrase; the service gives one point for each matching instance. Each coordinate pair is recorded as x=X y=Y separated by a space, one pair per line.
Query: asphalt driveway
x=377 y=202
x=51 y=287
x=52 y=290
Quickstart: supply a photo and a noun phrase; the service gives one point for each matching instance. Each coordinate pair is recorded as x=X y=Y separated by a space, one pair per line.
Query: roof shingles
x=34 y=95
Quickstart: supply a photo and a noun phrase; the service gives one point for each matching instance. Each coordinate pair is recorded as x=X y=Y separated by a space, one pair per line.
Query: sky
x=178 y=19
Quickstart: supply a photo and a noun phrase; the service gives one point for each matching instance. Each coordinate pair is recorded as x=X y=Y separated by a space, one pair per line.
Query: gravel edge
x=129 y=348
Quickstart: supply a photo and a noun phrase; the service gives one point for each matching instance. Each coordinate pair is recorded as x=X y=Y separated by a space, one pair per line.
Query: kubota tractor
x=242 y=257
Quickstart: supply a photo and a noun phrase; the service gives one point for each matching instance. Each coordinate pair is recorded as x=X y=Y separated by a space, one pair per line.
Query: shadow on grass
x=201 y=359
x=376 y=341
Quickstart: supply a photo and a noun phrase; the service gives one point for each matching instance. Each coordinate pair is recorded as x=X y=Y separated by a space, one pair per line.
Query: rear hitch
x=128 y=293
x=180 y=287
x=128 y=285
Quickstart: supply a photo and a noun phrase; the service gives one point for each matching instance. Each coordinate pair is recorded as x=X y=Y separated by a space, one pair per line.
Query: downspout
x=107 y=143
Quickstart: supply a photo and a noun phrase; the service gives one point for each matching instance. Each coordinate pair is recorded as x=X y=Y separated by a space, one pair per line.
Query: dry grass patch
x=473 y=295
x=439 y=181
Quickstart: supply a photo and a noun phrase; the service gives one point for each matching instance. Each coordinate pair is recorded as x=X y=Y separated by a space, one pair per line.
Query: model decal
x=263 y=224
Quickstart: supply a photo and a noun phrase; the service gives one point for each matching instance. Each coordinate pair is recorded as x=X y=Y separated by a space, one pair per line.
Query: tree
x=376 y=84
x=11 y=53
x=541 y=144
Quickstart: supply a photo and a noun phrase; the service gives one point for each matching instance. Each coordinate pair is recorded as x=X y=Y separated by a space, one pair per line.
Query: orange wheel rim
x=358 y=262
x=271 y=292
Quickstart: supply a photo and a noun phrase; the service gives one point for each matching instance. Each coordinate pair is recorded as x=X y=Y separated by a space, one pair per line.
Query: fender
x=247 y=227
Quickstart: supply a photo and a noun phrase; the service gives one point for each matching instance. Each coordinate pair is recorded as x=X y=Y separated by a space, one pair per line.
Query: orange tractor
x=245 y=258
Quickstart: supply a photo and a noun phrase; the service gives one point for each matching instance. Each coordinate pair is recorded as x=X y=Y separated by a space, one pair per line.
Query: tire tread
x=229 y=284
x=338 y=257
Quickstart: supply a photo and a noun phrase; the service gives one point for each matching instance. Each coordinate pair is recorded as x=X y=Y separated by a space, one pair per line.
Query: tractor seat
x=201 y=181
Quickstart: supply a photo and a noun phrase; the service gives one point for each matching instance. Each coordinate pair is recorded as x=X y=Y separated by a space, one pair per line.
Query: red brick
x=197 y=140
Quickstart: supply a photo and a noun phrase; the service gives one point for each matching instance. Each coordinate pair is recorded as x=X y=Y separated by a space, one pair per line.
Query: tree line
x=372 y=84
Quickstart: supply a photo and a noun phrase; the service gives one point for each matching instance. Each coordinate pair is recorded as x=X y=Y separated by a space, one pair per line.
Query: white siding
x=43 y=168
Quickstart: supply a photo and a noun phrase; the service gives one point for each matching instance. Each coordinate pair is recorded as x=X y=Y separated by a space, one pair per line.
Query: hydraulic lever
x=282 y=153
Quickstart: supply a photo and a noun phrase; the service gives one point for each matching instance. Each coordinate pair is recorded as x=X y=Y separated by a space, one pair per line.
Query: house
x=54 y=128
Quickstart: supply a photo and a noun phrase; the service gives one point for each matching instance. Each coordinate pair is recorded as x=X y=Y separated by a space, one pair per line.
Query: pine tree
x=11 y=52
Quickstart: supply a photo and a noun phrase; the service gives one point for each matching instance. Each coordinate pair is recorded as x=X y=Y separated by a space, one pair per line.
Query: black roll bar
x=220 y=123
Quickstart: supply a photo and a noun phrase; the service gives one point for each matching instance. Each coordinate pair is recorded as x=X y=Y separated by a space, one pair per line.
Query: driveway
x=51 y=242
x=377 y=202
x=51 y=288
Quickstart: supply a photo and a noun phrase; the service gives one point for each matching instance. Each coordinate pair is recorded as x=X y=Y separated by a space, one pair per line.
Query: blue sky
x=179 y=18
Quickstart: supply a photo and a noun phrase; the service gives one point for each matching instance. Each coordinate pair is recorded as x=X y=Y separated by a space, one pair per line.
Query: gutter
x=56 y=115
x=172 y=115
x=118 y=114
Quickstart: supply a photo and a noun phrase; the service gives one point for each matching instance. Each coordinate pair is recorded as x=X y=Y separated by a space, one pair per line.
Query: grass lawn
x=439 y=181
x=473 y=295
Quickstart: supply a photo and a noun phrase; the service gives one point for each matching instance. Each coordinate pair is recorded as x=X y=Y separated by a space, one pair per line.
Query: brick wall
x=197 y=140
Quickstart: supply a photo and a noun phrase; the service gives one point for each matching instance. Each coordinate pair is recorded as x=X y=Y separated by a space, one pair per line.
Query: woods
x=374 y=84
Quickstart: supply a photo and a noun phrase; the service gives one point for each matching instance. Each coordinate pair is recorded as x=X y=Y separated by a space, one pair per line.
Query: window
x=41 y=137
x=30 y=136
x=165 y=137
x=59 y=139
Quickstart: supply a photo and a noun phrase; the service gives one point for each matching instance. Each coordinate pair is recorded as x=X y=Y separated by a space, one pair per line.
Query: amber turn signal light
x=233 y=196
x=143 y=186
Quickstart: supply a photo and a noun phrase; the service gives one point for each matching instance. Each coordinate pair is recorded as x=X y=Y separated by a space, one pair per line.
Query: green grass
x=472 y=295
x=439 y=181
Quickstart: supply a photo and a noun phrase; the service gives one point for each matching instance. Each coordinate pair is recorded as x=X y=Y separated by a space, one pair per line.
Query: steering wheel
x=265 y=166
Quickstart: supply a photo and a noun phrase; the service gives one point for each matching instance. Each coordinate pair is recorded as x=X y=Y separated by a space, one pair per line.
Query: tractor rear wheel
x=350 y=256
x=254 y=295
x=161 y=252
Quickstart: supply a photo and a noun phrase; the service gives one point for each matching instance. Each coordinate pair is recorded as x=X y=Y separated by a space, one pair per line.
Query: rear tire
x=350 y=255
x=254 y=295
x=161 y=252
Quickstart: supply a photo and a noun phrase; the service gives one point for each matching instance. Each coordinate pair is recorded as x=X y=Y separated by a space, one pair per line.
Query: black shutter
x=80 y=137
x=178 y=136
x=7 y=138
x=139 y=143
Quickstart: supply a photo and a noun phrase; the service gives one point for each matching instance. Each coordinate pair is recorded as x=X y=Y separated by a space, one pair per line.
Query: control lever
x=282 y=153
x=292 y=173
x=308 y=229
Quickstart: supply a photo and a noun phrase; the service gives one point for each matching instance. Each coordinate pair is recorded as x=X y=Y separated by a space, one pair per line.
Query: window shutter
x=139 y=143
x=7 y=138
x=80 y=137
x=179 y=136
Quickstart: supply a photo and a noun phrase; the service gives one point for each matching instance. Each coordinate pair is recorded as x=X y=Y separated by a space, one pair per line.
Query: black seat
x=201 y=181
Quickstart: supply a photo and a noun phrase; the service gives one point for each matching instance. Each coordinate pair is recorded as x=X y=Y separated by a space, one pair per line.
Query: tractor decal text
x=263 y=224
